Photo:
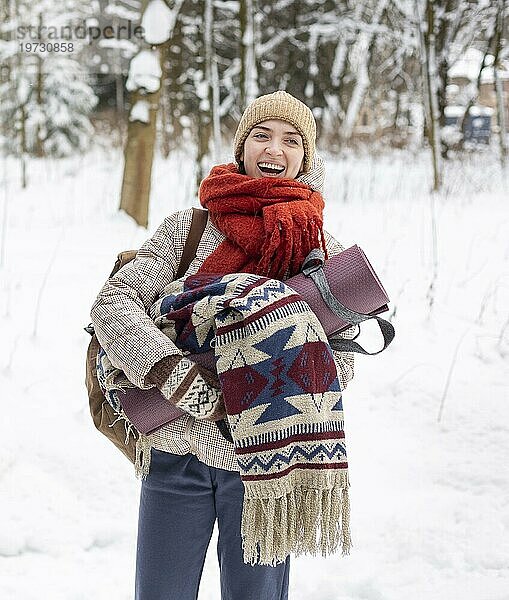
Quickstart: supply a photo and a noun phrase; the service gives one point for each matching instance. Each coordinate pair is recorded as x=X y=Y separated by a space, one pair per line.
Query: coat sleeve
x=130 y=338
x=344 y=360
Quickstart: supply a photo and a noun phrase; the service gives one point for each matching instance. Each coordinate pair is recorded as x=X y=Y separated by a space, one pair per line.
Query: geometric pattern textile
x=283 y=403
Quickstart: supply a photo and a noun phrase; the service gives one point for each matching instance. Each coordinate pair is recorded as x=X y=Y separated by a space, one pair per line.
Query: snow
x=469 y=63
x=485 y=111
x=126 y=46
x=140 y=112
x=157 y=22
x=428 y=498
x=8 y=48
x=450 y=135
x=144 y=72
x=454 y=110
x=117 y=10
x=24 y=90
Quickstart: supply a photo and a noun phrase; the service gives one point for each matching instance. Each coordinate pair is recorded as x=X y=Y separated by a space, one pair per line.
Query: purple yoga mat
x=352 y=281
x=148 y=410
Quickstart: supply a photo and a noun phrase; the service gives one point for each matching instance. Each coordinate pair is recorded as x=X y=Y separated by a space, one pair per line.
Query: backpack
x=106 y=420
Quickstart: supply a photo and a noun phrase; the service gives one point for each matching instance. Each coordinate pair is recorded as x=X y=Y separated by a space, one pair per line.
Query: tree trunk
x=138 y=155
x=203 y=139
x=500 y=116
x=141 y=137
x=22 y=124
x=165 y=105
x=212 y=78
x=39 y=150
x=440 y=34
x=248 y=69
x=172 y=126
x=204 y=117
x=119 y=90
x=499 y=90
x=216 y=117
x=428 y=65
x=23 y=120
x=363 y=51
x=309 y=89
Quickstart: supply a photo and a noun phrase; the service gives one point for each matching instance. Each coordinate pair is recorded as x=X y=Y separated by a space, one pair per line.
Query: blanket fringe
x=142 y=457
x=301 y=521
x=129 y=428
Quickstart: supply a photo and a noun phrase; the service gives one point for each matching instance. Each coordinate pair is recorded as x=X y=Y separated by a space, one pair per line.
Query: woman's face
x=273 y=149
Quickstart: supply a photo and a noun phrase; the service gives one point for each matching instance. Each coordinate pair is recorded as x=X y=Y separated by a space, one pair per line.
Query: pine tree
x=46 y=99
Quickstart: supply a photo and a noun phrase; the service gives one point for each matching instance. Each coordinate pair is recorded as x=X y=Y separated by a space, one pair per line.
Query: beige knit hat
x=284 y=106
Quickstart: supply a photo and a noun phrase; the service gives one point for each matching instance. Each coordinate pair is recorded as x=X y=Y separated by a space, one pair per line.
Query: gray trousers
x=180 y=501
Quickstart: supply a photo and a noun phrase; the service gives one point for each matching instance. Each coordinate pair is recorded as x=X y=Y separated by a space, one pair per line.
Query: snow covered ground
x=430 y=508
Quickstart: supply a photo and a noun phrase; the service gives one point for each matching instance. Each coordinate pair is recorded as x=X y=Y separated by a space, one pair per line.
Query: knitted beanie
x=284 y=106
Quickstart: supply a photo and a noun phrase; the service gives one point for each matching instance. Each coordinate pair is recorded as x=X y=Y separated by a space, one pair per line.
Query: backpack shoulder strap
x=198 y=223
x=122 y=259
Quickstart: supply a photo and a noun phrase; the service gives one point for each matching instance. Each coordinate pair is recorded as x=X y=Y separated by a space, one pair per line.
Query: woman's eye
x=293 y=141
x=260 y=135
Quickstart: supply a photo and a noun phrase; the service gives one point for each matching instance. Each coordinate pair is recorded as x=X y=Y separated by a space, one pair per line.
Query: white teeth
x=268 y=165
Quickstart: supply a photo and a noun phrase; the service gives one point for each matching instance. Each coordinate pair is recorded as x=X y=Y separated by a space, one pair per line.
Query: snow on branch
x=117 y=10
x=140 y=112
x=275 y=40
x=159 y=20
x=144 y=72
x=232 y=5
x=8 y=49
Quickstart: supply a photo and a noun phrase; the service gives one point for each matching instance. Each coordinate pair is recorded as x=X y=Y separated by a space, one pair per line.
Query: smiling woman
x=265 y=214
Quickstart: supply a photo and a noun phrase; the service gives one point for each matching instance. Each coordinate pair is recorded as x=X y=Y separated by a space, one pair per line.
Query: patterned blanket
x=283 y=402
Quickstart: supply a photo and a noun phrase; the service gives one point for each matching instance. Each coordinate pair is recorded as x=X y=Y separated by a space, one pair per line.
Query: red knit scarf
x=270 y=224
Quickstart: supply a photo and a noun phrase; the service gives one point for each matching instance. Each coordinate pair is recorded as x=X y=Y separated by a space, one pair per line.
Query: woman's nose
x=274 y=147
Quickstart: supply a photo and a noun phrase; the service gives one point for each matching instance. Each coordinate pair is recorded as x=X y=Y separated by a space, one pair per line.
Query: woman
x=265 y=215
